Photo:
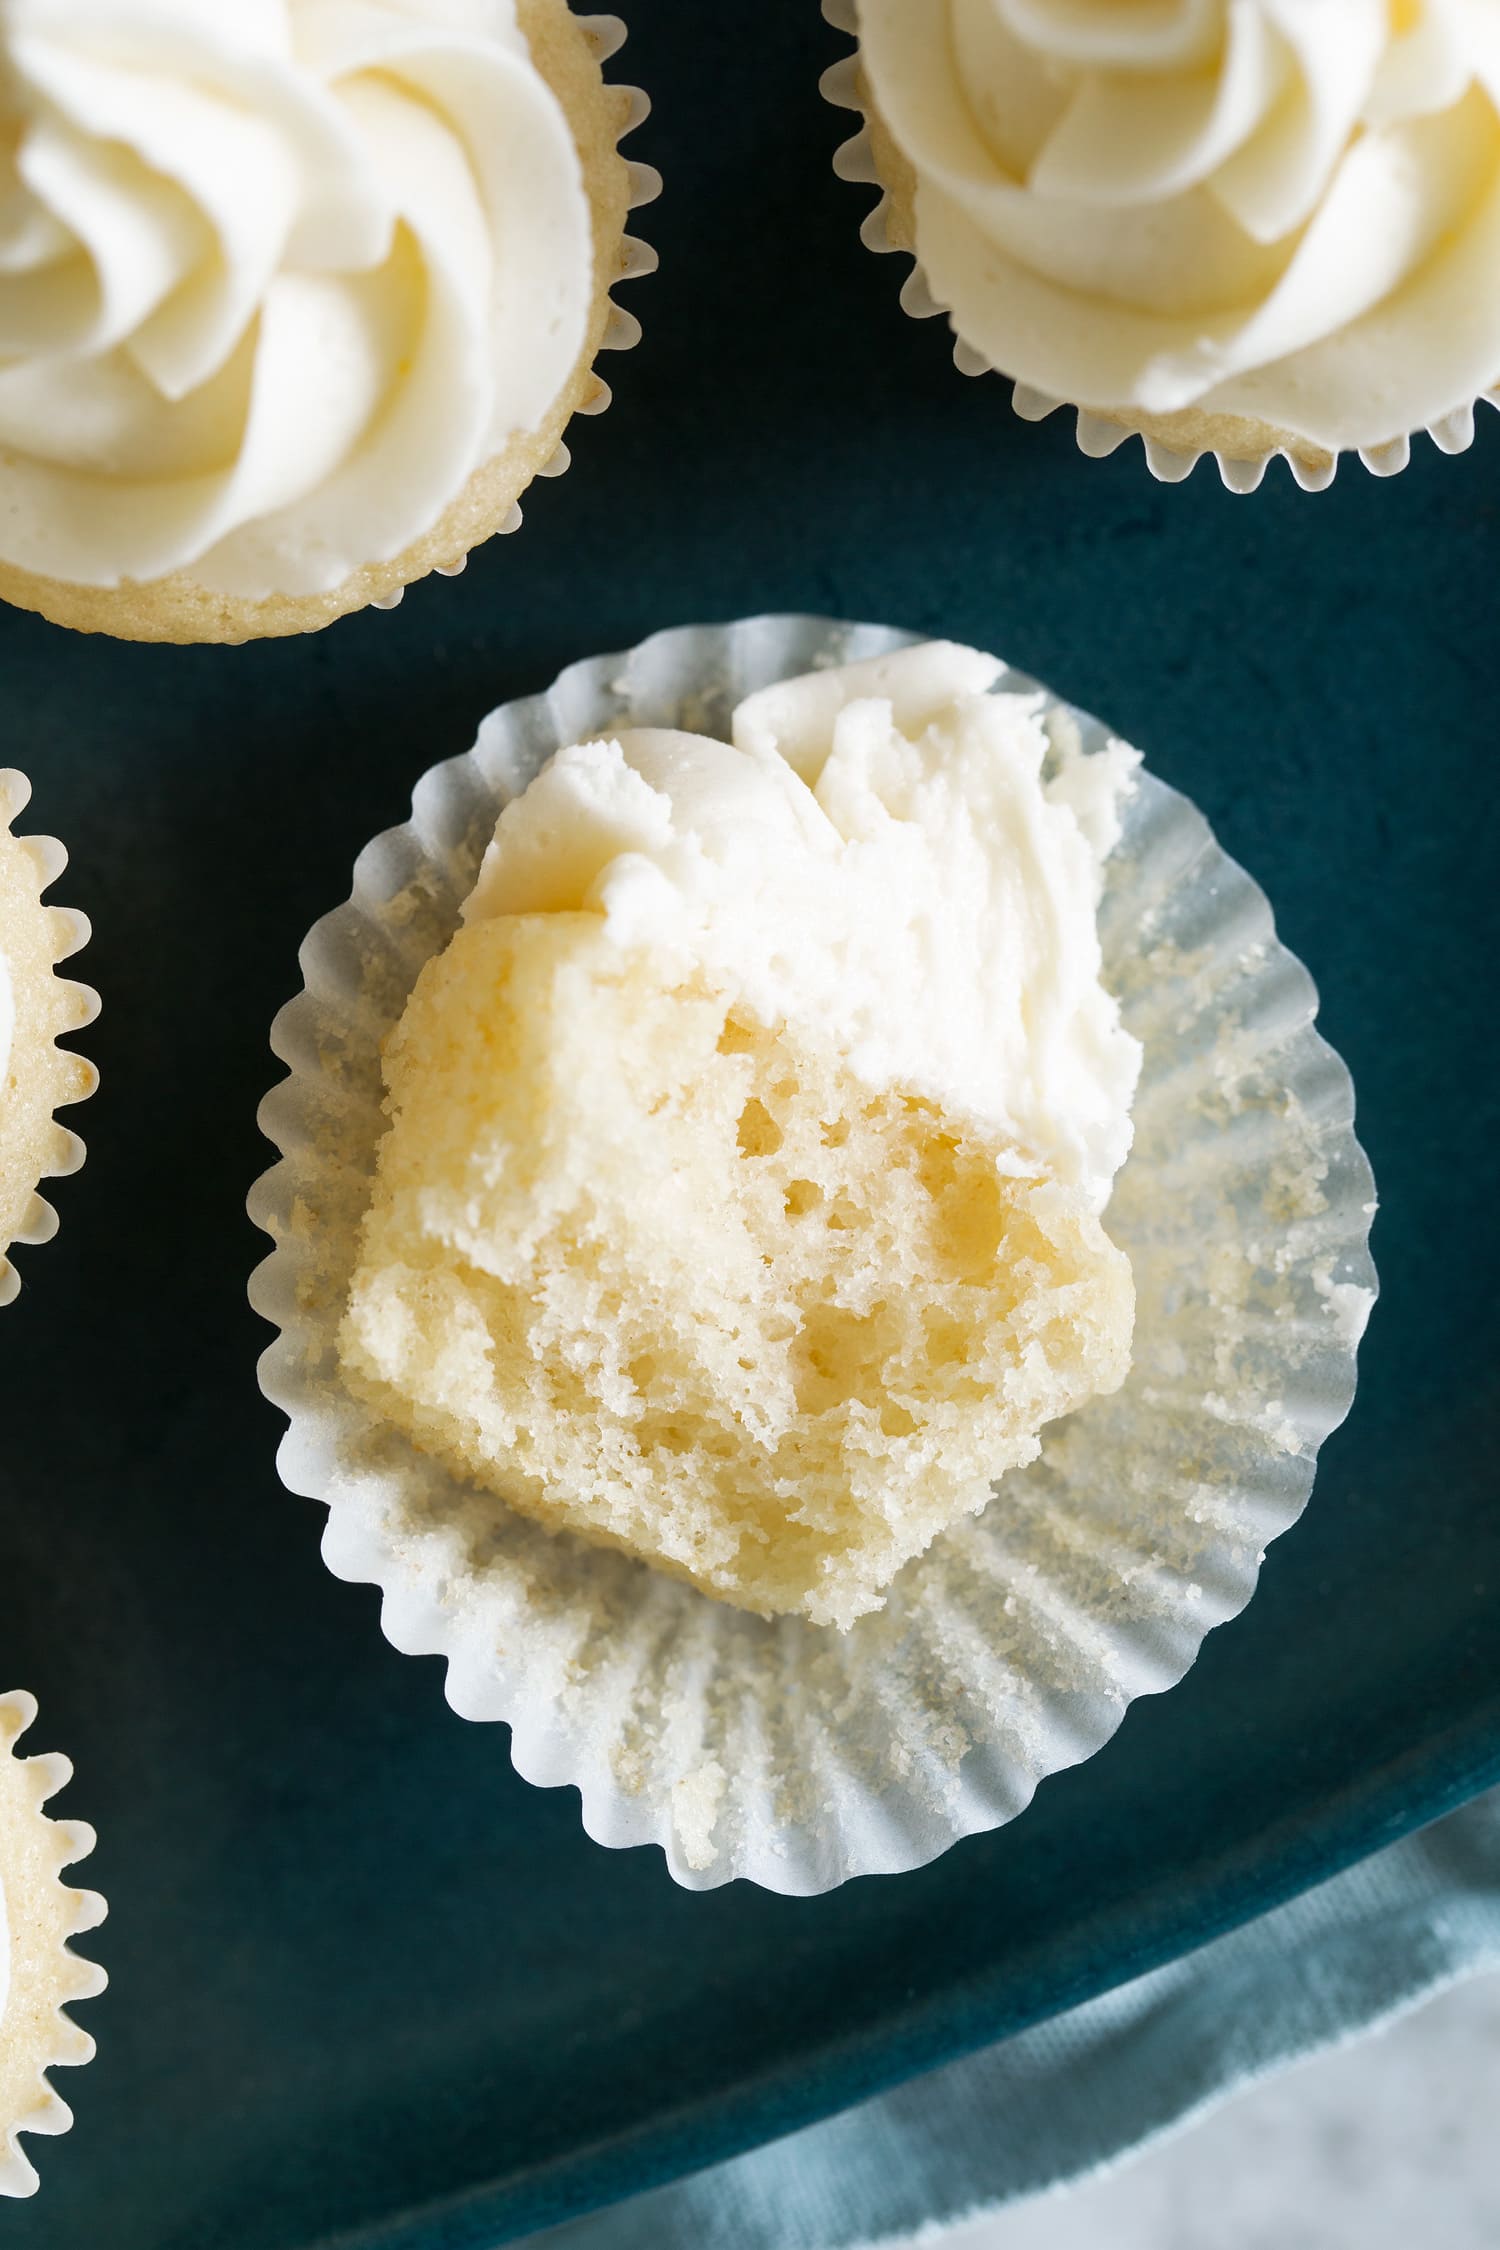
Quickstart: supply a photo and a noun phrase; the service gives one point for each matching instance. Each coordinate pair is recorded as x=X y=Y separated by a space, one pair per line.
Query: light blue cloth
x=1073 y=2095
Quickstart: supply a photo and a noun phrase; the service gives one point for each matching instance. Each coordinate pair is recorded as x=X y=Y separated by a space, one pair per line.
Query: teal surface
x=366 y=1984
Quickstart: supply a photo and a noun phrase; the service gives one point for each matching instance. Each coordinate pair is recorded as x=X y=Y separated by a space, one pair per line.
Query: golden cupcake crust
x=176 y=608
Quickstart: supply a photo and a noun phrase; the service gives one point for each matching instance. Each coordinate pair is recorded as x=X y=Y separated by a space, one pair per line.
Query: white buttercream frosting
x=276 y=277
x=4 y=1956
x=1282 y=209
x=877 y=860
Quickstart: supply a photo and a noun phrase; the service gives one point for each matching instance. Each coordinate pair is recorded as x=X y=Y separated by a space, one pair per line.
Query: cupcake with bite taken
x=815 y=1240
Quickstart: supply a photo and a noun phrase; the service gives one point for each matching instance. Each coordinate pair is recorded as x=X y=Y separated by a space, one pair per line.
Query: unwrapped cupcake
x=1244 y=227
x=37 y=1008
x=296 y=299
x=40 y=1974
x=740 y=1205
x=815 y=1242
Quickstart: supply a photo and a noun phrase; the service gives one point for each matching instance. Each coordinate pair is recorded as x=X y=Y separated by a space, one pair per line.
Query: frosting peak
x=1281 y=209
x=264 y=303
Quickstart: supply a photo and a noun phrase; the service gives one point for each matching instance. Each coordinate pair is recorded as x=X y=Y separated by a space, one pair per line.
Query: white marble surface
x=1392 y=2143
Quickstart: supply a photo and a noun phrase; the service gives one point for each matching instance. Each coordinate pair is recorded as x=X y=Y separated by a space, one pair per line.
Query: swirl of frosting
x=1282 y=209
x=276 y=278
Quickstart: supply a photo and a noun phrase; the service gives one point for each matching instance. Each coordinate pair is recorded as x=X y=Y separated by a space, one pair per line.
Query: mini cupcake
x=37 y=1008
x=1244 y=229
x=297 y=299
x=40 y=1974
x=812 y=1252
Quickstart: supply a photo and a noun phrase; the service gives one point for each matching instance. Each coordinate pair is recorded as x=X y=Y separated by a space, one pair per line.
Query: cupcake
x=815 y=1244
x=1241 y=229
x=298 y=299
x=39 y=1972
x=37 y=1008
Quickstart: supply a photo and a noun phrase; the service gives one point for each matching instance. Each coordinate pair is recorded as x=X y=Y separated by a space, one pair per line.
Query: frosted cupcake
x=39 y=1972
x=297 y=299
x=815 y=1243
x=1245 y=229
x=37 y=1008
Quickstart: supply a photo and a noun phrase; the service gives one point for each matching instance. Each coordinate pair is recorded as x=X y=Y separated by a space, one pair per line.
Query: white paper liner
x=45 y=1974
x=71 y=930
x=1096 y=434
x=783 y=1752
x=622 y=331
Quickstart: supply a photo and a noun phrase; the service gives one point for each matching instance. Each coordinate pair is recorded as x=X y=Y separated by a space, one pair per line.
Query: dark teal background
x=365 y=1983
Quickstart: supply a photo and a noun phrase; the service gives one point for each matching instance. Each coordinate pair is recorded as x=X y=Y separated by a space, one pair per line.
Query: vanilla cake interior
x=677 y=1282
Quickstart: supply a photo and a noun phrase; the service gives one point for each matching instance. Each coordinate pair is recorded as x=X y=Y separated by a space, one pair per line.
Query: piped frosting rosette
x=790 y=1753
x=40 y=1974
x=37 y=1008
x=1245 y=227
x=296 y=296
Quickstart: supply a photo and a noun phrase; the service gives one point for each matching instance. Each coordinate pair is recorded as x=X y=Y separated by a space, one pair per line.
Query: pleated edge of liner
x=1096 y=435
x=69 y=2046
x=606 y=35
x=39 y=1222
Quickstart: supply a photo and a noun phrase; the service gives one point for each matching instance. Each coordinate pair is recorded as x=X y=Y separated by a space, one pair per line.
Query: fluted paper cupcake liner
x=77 y=1006
x=1098 y=434
x=40 y=1974
x=606 y=35
x=794 y=1755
